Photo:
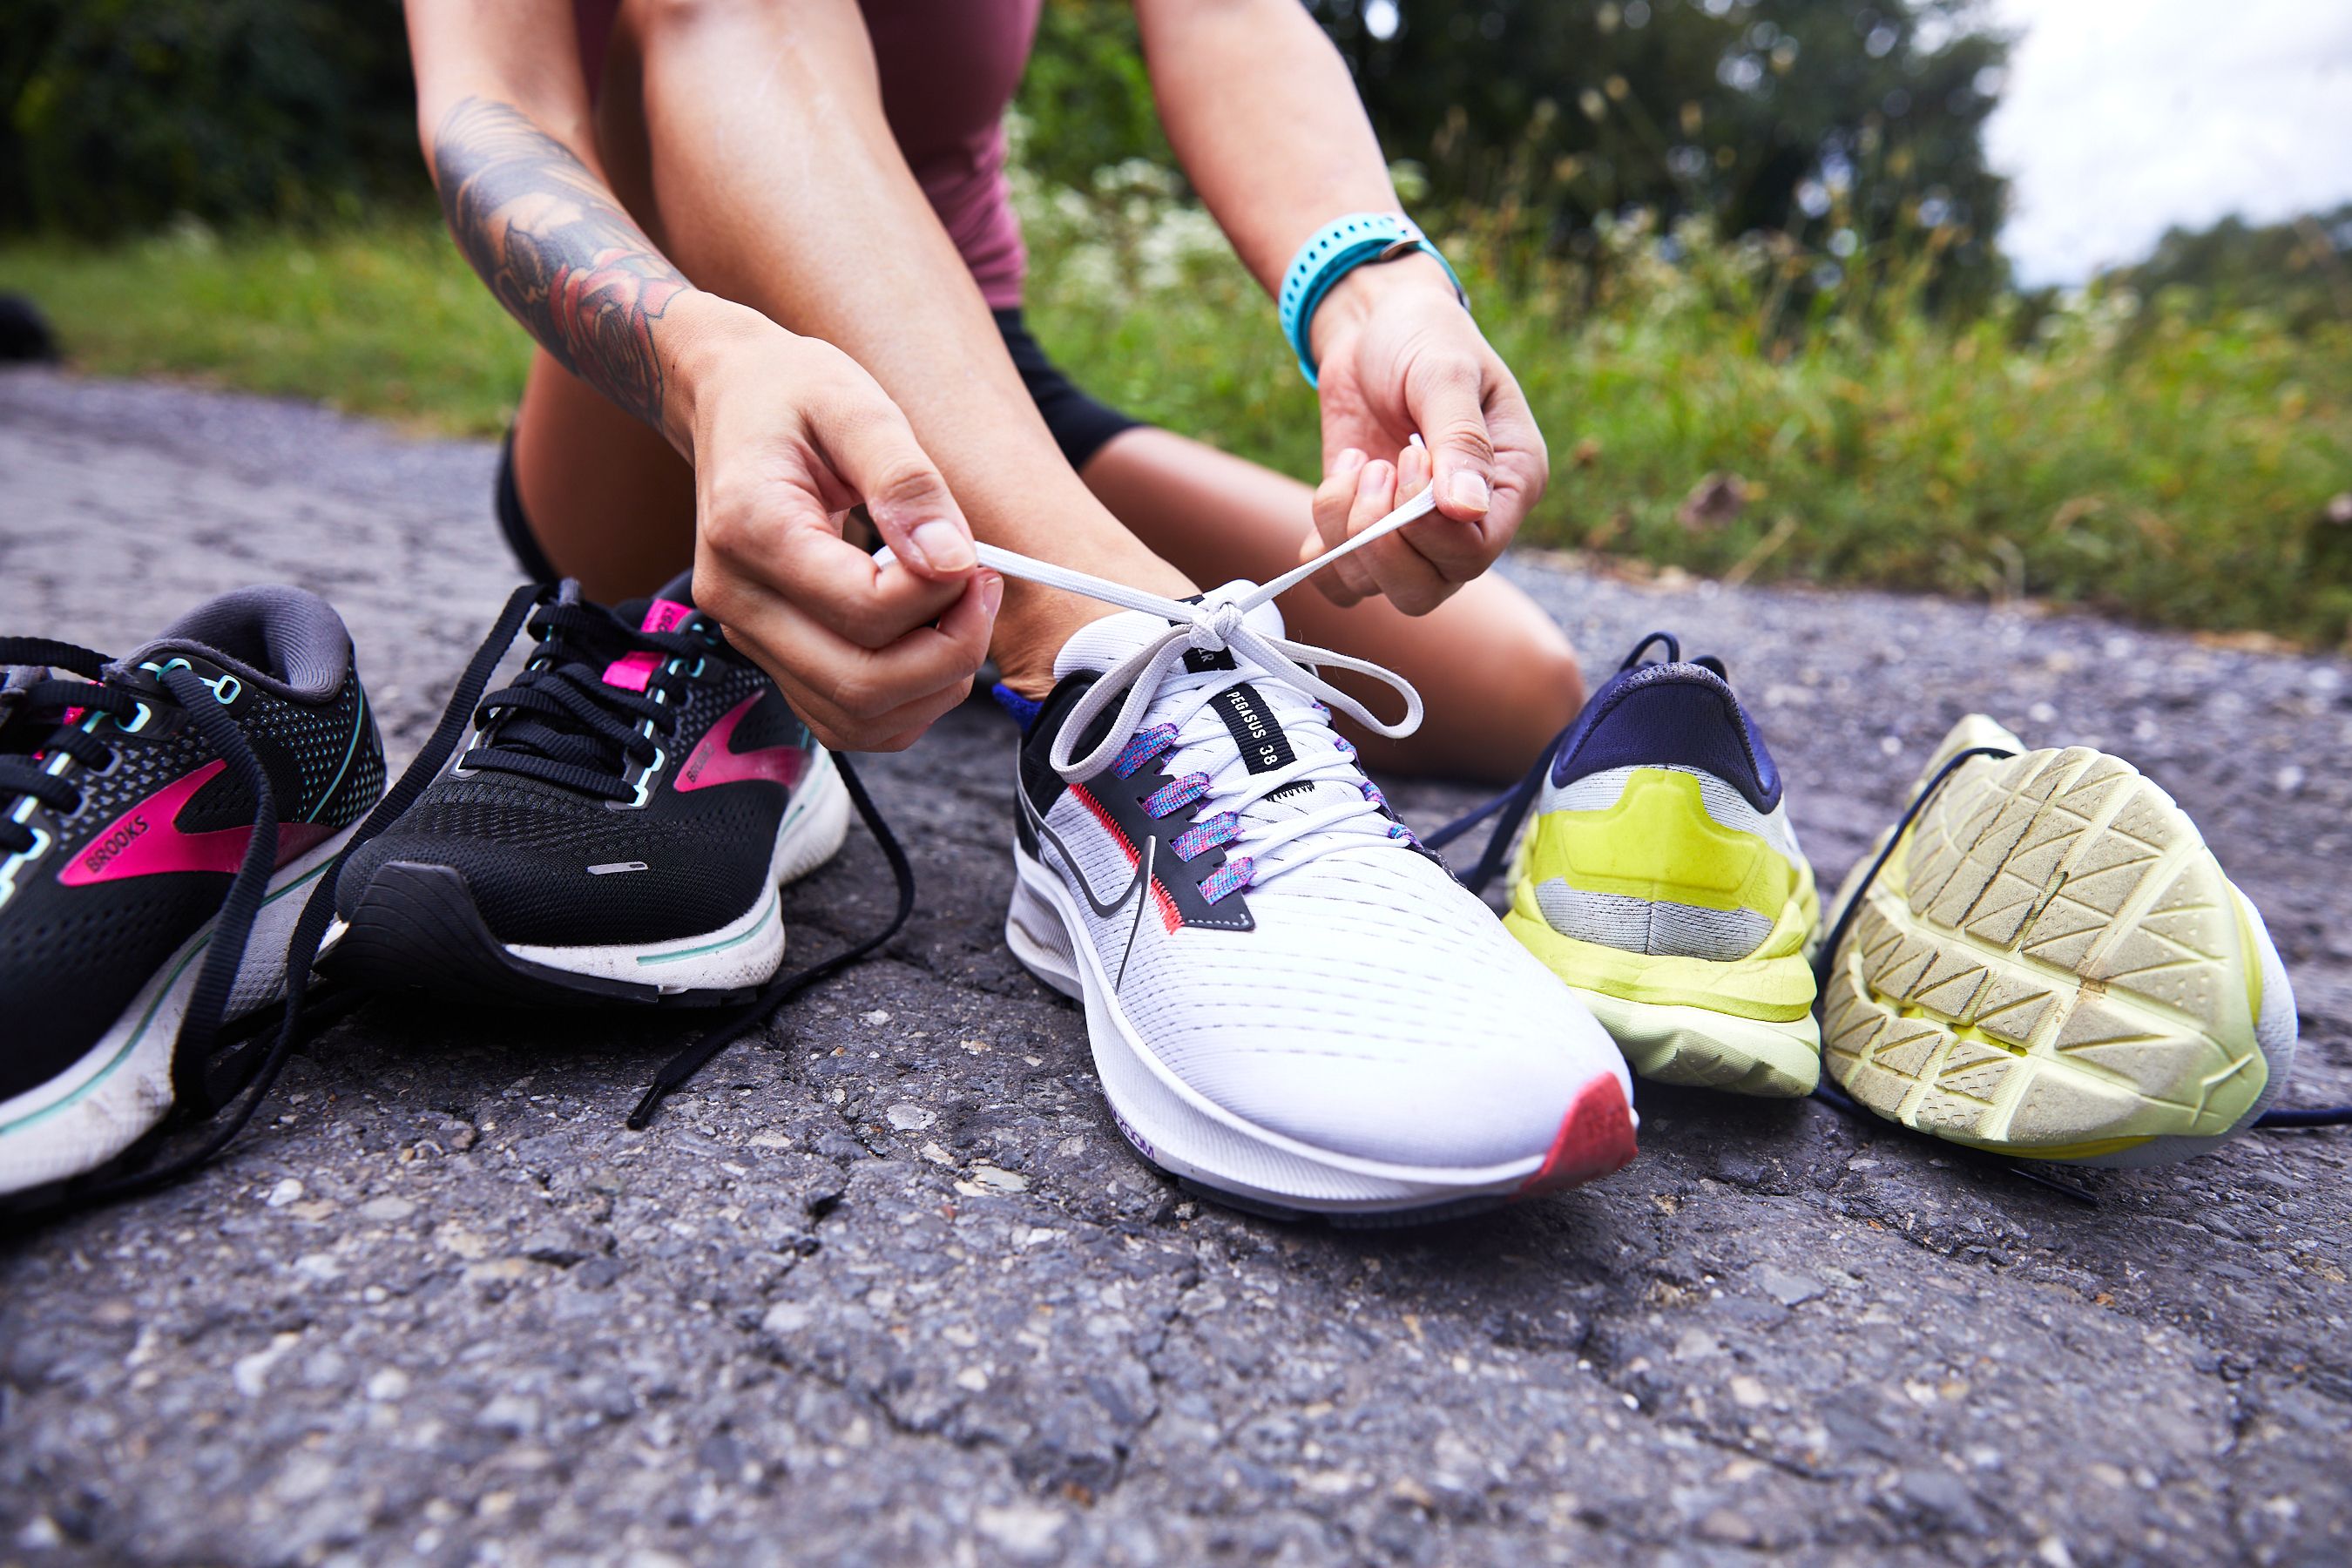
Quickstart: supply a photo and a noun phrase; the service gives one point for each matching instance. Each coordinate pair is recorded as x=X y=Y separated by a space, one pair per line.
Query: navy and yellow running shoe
x=617 y=828
x=1659 y=877
x=2044 y=960
x=160 y=818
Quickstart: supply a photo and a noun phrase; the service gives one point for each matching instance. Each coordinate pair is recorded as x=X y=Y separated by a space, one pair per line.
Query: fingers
x=773 y=543
x=1347 y=580
x=1418 y=566
x=1405 y=574
x=874 y=699
x=862 y=436
x=1522 y=465
x=1444 y=396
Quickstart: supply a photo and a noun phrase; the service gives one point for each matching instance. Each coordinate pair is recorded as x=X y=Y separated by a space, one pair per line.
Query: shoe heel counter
x=1635 y=859
x=364 y=778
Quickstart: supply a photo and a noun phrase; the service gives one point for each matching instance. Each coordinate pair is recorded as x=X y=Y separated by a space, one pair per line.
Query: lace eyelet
x=42 y=839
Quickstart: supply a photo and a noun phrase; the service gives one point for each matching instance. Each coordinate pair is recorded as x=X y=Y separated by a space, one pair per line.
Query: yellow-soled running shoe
x=1659 y=877
x=2052 y=965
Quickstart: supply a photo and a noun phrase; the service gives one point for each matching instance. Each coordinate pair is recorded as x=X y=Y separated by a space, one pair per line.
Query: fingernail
x=1469 y=492
x=943 y=545
x=1348 y=463
x=1373 y=476
x=991 y=593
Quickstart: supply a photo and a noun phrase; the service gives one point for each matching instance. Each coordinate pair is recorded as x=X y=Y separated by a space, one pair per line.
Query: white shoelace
x=1220 y=624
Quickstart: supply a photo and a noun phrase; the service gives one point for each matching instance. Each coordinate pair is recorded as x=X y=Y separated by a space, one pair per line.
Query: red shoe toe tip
x=1595 y=1138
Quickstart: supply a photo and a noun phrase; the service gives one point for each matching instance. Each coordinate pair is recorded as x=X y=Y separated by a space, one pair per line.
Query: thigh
x=1498 y=678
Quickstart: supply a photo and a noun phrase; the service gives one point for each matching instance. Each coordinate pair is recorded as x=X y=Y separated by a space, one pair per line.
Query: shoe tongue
x=657 y=614
x=1098 y=645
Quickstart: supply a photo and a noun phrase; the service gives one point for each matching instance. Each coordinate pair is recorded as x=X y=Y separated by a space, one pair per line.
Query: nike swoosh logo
x=713 y=763
x=1134 y=884
x=147 y=841
x=1037 y=821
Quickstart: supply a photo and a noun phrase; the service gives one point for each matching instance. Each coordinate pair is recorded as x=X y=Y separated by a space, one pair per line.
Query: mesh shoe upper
x=140 y=855
x=558 y=860
x=1660 y=827
x=1357 y=999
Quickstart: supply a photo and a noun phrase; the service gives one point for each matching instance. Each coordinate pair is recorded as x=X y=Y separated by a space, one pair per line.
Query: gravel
x=887 y=1286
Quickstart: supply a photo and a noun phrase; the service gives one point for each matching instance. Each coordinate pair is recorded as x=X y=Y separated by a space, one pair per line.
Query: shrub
x=120 y=114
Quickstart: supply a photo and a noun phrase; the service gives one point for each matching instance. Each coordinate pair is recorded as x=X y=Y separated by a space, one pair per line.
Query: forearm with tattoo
x=557 y=249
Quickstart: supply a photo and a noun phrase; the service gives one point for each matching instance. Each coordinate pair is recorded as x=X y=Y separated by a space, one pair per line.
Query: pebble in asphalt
x=888 y=1287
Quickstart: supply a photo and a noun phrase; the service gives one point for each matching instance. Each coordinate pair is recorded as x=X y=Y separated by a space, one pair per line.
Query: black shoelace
x=561 y=721
x=1509 y=809
x=198 y=1088
x=226 y=1088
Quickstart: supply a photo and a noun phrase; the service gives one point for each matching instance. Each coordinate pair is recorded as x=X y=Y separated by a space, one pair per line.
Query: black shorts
x=1079 y=424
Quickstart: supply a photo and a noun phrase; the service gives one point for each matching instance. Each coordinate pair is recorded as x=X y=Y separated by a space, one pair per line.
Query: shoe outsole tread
x=2053 y=962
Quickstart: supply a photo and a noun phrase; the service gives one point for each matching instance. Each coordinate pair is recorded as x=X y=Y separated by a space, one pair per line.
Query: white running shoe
x=1292 y=1003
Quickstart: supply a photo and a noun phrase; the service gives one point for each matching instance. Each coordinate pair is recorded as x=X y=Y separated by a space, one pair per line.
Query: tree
x=2301 y=270
x=1839 y=121
x=119 y=114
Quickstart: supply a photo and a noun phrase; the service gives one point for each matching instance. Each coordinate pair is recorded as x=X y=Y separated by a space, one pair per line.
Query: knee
x=1535 y=690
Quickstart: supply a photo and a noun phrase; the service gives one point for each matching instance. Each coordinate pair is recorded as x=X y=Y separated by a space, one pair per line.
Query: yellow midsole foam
x=1658 y=842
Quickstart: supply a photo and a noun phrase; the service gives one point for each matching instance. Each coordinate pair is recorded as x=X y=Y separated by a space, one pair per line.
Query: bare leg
x=750 y=143
x=609 y=501
x=1499 y=678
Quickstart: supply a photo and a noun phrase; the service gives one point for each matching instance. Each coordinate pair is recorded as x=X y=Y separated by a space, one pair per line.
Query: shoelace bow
x=1220 y=625
x=1512 y=806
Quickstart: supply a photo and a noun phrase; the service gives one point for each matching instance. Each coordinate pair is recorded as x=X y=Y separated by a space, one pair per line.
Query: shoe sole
x=2054 y=966
x=416 y=927
x=1679 y=1043
x=1213 y=1151
x=1699 y=1049
x=120 y=1088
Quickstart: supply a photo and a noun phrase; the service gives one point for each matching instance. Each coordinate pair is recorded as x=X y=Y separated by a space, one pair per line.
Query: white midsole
x=747 y=950
x=1178 y=1127
x=123 y=1085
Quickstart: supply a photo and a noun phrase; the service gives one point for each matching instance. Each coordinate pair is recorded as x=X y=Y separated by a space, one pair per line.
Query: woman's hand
x=1397 y=355
x=787 y=434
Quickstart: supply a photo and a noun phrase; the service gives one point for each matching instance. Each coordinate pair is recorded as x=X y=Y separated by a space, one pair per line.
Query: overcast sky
x=2122 y=117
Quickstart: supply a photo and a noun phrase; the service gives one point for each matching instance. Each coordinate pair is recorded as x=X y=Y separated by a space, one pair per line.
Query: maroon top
x=949 y=69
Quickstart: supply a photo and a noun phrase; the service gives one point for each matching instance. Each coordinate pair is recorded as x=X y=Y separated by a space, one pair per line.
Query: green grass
x=386 y=321
x=2179 y=470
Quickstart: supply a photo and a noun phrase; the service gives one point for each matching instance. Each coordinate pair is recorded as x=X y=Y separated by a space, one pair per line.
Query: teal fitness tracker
x=1336 y=249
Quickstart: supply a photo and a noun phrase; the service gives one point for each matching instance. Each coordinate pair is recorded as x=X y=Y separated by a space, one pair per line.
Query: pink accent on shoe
x=665 y=615
x=632 y=671
x=146 y=840
x=1595 y=1138
x=712 y=762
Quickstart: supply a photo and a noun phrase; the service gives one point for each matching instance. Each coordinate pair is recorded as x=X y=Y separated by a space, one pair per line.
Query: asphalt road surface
x=887 y=1286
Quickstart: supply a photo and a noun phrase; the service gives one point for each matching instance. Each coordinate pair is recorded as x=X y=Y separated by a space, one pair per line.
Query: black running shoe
x=618 y=828
x=156 y=816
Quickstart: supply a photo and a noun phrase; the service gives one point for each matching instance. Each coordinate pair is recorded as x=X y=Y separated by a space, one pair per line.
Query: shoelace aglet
x=642 y=1116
